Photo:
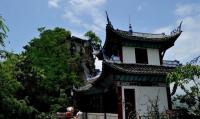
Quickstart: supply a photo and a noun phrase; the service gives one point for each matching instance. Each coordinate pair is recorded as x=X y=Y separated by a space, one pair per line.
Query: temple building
x=133 y=77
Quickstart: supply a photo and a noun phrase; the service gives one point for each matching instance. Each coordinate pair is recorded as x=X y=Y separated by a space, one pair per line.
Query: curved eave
x=170 y=39
x=139 y=69
x=166 y=40
x=90 y=83
x=124 y=70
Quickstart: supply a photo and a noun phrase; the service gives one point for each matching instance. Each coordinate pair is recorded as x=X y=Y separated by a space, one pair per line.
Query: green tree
x=187 y=78
x=95 y=40
x=3 y=31
x=3 y=34
x=10 y=105
x=48 y=71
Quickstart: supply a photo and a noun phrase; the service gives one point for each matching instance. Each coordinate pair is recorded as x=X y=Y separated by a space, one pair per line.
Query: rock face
x=82 y=51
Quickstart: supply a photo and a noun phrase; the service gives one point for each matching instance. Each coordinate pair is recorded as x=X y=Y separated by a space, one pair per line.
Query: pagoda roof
x=139 y=68
x=139 y=39
x=128 y=72
x=139 y=36
x=145 y=36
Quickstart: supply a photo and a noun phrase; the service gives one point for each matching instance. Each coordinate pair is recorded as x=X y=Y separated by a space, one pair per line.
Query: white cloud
x=139 y=8
x=187 y=9
x=81 y=5
x=77 y=10
x=88 y=14
x=187 y=45
x=53 y=3
x=71 y=17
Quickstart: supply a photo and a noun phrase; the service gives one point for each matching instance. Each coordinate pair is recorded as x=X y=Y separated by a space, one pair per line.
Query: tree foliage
x=38 y=82
x=3 y=31
x=95 y=40
x=10 y=105
x=47 y=71
x=187 y=78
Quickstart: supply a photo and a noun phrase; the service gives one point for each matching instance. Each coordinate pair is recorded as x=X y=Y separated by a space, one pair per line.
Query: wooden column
x=169 y=97
x=119 y=100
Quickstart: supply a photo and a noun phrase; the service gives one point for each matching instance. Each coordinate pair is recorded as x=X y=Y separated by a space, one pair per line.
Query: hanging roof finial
x=108 y=20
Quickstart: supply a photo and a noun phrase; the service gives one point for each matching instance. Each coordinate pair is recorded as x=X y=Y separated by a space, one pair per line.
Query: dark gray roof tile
x=139 y=68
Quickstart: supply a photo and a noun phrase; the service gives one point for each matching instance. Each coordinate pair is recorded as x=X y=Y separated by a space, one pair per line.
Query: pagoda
x=133 y=76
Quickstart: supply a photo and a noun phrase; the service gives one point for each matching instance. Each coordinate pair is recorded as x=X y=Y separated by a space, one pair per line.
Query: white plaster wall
x=128 y=54
x=145 y=93
x=153 y=56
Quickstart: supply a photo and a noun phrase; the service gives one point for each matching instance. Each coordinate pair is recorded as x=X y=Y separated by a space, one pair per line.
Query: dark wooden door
x=129 y=95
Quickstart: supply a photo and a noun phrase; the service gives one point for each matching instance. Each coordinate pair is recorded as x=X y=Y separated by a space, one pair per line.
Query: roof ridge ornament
x=178 y=29
x=108 y=20
x=180 y=25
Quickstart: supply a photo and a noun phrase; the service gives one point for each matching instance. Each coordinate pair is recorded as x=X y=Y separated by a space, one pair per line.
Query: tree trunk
x=174 y=88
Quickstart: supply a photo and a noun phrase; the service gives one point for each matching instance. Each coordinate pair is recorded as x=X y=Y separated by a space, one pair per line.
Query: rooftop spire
x=130 y=27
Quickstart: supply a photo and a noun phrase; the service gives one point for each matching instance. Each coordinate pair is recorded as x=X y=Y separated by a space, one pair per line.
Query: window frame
x=141 y=56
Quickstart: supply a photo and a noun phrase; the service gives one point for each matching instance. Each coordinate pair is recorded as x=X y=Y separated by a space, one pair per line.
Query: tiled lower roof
x=139 y=68
x=131 y=72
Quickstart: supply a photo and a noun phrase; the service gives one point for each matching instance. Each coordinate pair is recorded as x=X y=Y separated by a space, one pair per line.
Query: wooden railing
x=85 y=115
x=98 y=116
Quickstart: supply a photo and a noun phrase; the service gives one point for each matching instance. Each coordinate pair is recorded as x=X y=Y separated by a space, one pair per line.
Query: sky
x=23 y=17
